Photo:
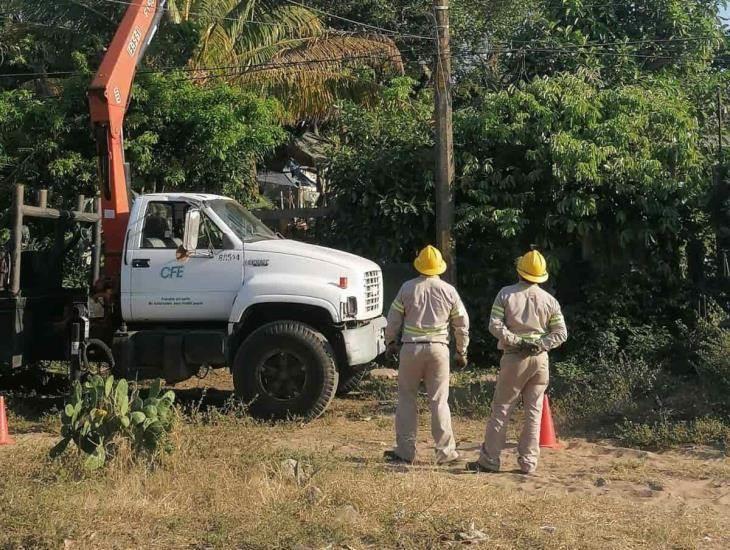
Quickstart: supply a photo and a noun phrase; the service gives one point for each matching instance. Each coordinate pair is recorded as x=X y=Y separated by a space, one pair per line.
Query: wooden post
x=17 y=240
x=80 y=203
x=444 y=140
x=43 y=198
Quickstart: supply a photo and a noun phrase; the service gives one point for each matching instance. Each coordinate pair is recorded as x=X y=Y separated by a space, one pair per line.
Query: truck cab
x=204 y=283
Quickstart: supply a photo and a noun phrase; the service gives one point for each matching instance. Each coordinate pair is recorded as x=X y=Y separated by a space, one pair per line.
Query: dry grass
x=224 y=487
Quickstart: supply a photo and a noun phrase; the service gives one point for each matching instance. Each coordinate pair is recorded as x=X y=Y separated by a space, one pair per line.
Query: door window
x=164 y=224
x=210 y=237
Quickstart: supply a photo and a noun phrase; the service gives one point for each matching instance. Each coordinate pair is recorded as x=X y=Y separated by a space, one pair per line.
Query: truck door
x=200 y=288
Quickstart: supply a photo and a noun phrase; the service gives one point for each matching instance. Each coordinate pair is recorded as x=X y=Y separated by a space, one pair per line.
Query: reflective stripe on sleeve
x=455 y=312
x=396 y=305
x=555 y=320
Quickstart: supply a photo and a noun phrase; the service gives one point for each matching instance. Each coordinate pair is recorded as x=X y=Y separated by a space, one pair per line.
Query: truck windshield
x=244 y=224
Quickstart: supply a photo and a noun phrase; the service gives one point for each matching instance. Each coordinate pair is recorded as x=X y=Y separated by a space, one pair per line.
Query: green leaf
x=155 y=388
x=121 y=397
x=137 y=403
x=108 y=385
x=137 y=417
x=68 y=410
x=59 y=448
x=124 y=421
x=76 y=392
x=169 y=395
x=155 y=427
x=96 y=459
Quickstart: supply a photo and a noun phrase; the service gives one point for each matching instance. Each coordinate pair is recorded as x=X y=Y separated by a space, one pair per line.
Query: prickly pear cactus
x=102 y=410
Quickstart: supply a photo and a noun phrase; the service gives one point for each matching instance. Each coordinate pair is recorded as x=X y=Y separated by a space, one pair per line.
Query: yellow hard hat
x=533 y=267
x=430 y=262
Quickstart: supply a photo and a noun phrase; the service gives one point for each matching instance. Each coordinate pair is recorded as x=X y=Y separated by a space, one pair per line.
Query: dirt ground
x=588 y=494
x=698 y=477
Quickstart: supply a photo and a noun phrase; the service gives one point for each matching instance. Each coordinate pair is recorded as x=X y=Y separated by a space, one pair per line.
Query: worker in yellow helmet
x=527 y=322
x=422 y=314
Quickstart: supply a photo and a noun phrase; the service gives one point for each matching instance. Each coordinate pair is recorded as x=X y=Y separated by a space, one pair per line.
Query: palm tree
x=285 y=51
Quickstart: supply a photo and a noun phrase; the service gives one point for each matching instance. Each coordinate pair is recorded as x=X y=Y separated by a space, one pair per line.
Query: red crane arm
x=109 y=95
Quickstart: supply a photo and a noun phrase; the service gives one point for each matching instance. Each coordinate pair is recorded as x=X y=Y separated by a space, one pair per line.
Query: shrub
x=713 y=365
x=607 y=386
x=665 y=433
x=101 y=412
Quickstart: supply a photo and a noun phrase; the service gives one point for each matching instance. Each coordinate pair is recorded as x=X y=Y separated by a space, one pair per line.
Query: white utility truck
x=203 y=284
x=290 y=318
x=188 y=281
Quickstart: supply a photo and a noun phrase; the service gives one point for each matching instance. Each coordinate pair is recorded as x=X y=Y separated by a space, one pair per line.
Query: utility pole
x=444 y=140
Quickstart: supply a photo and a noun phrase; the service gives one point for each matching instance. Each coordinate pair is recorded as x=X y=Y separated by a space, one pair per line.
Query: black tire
x=271 y=350
x=350 y=378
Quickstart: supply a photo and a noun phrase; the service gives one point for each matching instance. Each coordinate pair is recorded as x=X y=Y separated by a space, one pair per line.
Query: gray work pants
x=525 y=375
x=430 y=363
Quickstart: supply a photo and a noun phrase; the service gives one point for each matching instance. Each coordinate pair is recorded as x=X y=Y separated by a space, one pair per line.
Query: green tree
x=612 y=174
x=620 y=40
x=179 y=136
x=380 y=175
x=286 y=51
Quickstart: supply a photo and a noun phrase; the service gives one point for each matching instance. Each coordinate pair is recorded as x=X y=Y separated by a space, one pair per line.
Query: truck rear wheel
x=285 y=368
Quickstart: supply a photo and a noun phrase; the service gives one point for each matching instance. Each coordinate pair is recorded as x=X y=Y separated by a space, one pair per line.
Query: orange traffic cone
x=5 y=438
x=547 y=429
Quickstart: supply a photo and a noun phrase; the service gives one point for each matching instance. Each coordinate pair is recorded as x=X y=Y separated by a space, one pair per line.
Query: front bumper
x=363 y=344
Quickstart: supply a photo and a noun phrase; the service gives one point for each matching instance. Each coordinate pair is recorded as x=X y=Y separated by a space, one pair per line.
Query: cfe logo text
x=172 y=272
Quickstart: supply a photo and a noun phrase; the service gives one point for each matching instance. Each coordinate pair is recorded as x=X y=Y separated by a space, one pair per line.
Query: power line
x=240 y=69
x=360 y=23
x=234 y=70
x=504 y=48
x=199 y=13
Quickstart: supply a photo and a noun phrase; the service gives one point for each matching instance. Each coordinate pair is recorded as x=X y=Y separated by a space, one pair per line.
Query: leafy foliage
x=653 y=36
x=603 y=177
x=664 y=434
x=102 y=410
x=178 y=136
x=380 y=176
x=713 y=364
x=562 y=162
x=287 y=51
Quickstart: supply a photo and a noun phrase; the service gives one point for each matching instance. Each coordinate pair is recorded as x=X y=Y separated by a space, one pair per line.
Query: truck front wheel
x=285 y=368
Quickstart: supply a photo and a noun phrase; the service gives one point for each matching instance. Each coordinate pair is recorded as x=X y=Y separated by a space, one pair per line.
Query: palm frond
x=288 y=52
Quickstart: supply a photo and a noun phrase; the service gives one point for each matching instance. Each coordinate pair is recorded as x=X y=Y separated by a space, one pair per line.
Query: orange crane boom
x=109 y=95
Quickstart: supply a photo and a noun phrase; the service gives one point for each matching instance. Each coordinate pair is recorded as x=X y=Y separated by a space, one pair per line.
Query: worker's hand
x=460 y=361
x=531 y=348
x=392 y=351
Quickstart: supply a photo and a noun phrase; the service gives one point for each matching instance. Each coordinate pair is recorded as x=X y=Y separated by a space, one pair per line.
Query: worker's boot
x=477 y=466
x=394 y=458
x=453 y=456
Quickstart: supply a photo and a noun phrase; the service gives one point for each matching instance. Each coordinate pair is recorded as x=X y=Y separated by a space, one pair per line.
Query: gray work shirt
x=525 y=312
x=425 y=309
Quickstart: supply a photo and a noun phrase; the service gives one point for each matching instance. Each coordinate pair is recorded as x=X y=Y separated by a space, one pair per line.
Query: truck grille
x=373 y=284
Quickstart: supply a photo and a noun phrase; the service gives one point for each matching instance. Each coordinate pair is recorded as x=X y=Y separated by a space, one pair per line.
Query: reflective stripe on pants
x=430 y=363
x=518 y=375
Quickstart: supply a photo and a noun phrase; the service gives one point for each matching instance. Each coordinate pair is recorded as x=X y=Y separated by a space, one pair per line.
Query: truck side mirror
x=190 y=235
